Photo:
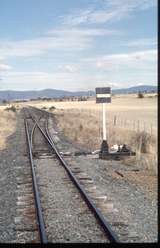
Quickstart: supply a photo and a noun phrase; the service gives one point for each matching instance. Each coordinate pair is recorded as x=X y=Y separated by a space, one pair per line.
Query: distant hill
x=52 y=93
x=46 y=93
x=136 y=89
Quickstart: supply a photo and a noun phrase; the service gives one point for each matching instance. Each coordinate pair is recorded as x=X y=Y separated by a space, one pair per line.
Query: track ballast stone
x=134 y=212
x=66 y=215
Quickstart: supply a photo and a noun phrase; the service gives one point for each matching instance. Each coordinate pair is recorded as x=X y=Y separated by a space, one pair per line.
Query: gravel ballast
x=66 y=216
x=132 y=192
x=126 y=196
x=12 y=160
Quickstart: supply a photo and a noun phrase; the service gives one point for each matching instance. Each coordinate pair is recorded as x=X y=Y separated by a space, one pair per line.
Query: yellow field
x=127 y=108
x=81 y=122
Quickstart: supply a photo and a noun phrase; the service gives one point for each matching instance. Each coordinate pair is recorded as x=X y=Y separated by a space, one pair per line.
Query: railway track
x=39 y=124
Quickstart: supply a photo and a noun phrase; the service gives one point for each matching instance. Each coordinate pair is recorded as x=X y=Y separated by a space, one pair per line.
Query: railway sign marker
x=103 y=95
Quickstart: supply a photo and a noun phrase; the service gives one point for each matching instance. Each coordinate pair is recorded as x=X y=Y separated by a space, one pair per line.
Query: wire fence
x=135 y=125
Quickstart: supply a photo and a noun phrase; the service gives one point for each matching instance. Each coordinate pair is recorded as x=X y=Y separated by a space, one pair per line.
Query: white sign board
x=103 y=95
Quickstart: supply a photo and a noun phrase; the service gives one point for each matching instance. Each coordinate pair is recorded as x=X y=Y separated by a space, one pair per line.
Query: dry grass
x=79 y=127
x=8 y=125
x=84 y=127
x=125 y=107
x=81 y=122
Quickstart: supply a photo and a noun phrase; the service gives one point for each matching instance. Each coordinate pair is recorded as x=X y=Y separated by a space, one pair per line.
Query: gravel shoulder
x=133 y=193
x=10 y=159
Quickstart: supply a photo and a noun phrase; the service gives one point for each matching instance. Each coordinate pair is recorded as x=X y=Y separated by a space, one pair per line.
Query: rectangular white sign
x=103 y=95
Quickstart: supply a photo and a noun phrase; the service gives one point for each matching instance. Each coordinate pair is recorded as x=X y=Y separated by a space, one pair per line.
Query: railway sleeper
x=28 y=192
x=26 y=211
x=25 y=198
x=119 y=223
x=26 y=227
x=25 y=181
x=25 y=203
x=85 y=178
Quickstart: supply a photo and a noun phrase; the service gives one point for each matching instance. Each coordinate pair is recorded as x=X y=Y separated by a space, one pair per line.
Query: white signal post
x=103 y=96
x=104 y=121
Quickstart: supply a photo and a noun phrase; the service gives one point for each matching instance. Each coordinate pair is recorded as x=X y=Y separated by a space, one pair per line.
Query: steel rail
x=41 y=225
x=104 y=224
x=33 y=129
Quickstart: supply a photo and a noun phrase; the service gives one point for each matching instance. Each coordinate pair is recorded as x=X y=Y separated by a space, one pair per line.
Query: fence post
x=124 y=122
x=134 y=125
x=138 y=126
x=151 y=129
x=115 y=120
x=144 y=126
x=139 y=148
x=121 y=123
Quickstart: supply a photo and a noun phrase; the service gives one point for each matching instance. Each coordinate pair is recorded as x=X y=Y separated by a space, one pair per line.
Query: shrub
x=44 y=108
x=80 y=127
x=12 y=108
x=140 y=95
x=52 y=108
x=143 y=140
x=4 y=101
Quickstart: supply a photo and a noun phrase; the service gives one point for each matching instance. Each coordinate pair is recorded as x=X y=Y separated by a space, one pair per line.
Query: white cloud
x=68 y=68
x=94 y=16
x=111 y=10
x=42 y=80
x=4 y=67
x=39 y=46
x=59 y=80
x=115 y=70
x=82 y=32
x=59 y=40
x=132 y=4
x=77 y=17
x=78 y=80
x=139 y=60
x=142 y=42
x=138 y=84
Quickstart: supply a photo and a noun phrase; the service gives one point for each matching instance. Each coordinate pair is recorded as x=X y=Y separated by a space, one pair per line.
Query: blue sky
x=77 y=45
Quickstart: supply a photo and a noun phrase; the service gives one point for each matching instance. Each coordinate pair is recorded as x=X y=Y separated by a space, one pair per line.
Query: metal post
x=138 y=127
x=151 y=129
x=104 y=122
x=104 y=145
x=115 y=120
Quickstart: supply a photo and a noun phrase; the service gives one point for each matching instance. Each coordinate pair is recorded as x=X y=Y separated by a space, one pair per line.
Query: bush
x=80 y=127
x=4 y=101
x=143 y=140
x=140 y=95
x=12 y=108
x=44 y=108
x=52 y=108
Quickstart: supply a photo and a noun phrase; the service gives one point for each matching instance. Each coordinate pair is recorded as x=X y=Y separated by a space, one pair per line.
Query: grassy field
x=127 y=108
x=81 y=122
